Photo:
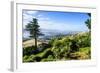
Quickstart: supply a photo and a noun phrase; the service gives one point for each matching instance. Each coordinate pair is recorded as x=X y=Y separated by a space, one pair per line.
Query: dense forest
x=69 y=47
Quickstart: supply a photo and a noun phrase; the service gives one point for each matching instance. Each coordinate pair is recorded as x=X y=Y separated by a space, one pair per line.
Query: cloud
x=30 y=12
x=60 y=26
x=28 y=15
x=47 y=23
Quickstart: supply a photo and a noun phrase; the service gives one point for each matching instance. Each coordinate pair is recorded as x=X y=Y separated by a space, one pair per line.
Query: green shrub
x=63 y=48
x=83 y=53
x=28 y=50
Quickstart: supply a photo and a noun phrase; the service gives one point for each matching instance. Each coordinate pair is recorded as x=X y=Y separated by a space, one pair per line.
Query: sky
x=52 y=20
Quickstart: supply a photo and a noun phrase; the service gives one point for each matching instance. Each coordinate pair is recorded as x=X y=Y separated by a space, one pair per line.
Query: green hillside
x=72 y=47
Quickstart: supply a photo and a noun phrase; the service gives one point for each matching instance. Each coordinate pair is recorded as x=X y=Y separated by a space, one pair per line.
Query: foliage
x=88 y=21
x=71 y=47
x=84 y=53
x=33 y=27
x=29 y=50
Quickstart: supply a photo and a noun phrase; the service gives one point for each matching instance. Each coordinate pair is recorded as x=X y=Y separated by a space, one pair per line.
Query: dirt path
x=30 y=43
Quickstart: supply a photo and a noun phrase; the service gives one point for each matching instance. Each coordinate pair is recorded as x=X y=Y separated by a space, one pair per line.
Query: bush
x=83 y=53
x=49 y=58
x=44 y=46
x=29 y=50
x=74 y=46
x=64 y=48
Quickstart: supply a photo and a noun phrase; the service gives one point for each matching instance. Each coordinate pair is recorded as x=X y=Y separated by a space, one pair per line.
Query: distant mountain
x=50 y=33
x=47 y=32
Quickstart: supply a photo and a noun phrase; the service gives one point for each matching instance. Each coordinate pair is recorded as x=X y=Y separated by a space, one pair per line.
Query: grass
x=85 y=50
x=82 y=54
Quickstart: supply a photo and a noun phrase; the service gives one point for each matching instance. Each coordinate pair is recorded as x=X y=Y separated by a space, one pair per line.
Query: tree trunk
x=35 y=42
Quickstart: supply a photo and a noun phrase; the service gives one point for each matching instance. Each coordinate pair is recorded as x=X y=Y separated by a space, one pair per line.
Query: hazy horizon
x=51 y=21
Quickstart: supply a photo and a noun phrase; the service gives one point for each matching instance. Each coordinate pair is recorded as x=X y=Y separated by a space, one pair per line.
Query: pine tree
x=34 y=30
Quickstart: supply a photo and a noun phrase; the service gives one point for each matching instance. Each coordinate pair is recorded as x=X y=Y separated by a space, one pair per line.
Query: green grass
x=85 y=50
x=82 y=54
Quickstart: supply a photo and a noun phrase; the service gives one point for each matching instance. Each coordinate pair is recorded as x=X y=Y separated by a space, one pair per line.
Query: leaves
x=34 y=30
x=88 y=21
x=66 y=48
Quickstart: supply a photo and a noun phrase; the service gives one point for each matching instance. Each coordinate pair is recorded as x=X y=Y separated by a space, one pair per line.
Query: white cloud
x=28 y=15
x=51 y=25
x=47 y=23
x=30 y=12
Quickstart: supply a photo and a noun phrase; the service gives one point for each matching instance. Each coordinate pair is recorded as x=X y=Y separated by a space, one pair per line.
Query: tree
x=88 y=22
x=89 y=14
x=34 y=30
